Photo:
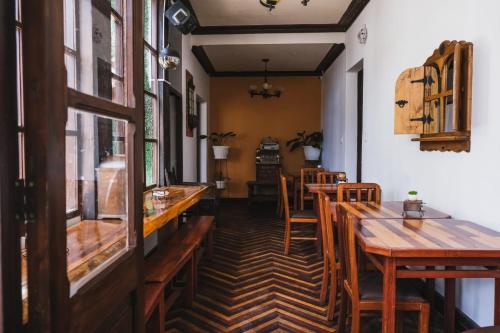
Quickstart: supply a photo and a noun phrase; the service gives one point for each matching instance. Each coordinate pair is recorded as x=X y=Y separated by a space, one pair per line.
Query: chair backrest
x=331 y=177
x=327 y=230
x=284 y=197
x=359 y=192
x=307 y=176
x=347 y=251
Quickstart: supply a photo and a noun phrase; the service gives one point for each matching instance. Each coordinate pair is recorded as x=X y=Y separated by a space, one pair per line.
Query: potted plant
x=312 y=144
x=218 y=139
x=220 y=181
x=412 y=195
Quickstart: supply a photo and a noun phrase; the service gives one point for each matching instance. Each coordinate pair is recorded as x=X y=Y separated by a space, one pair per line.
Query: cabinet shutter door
x=409 y=102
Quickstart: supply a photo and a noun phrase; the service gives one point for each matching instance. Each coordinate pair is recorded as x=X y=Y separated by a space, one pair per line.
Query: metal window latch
x=426 y=80
x=426 y=119
x=24 y=198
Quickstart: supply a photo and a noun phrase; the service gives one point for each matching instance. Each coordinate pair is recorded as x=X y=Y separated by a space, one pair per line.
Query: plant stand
x=221 y=169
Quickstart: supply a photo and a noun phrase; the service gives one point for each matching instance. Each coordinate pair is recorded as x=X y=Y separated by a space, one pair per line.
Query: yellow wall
x=232 y=109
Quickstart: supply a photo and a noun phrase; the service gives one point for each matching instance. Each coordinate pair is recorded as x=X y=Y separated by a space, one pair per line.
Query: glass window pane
x=98 y=37
x=117 y=6
x=118 y=91
x=69 y=24
x=151 y=117
x=150 y=72
x=18 y=10
x=150 y=155
x=70 y=63
x=116 y=46
x=20 y=100
x=71 y=173
x=449 y=118
x=99 y=234
x=147 y=21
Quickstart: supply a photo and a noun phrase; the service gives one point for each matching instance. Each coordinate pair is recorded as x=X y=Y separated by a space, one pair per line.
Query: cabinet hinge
x=24 y=198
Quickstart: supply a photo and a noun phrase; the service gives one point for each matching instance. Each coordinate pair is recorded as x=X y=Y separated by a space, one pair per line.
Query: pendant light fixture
x=271 y=4
x=267 y=88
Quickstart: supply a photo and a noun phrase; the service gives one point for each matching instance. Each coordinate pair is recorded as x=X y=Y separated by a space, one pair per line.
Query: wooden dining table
x=413 y=248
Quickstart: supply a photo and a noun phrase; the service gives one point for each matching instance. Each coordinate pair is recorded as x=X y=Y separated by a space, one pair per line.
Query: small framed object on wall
x=435 y=100
x=191 y=112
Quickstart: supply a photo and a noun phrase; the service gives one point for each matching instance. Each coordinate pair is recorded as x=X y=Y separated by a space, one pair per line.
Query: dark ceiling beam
x=262 y=73
x=353 y=10
x=203 y=59
x=191 y=9
x=351 y=14
x=330 y=57
x=268 y=29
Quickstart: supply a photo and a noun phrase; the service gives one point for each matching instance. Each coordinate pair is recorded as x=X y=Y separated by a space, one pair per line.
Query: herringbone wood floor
x=250 y=286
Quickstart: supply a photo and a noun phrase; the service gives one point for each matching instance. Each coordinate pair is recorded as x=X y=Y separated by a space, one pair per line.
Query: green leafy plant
x=218 y=138
x=413 y=193
x=302 y=139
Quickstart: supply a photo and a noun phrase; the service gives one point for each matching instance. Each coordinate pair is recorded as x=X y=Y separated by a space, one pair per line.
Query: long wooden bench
x=182 y=251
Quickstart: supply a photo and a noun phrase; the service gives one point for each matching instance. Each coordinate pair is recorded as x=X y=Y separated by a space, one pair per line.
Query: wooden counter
x=159 y=212
x=91 y=242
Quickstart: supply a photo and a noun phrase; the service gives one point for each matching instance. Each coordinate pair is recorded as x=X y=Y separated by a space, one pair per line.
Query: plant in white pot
x=220 y=181
x=221 y=150
x=312 y=144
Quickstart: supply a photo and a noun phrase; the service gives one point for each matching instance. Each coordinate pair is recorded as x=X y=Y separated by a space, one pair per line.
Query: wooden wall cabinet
x=434 y=100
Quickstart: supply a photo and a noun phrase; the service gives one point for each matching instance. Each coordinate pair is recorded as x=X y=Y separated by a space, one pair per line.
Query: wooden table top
x=326 y=188
x=385 y=210
x=159 y=212
x=427 y=238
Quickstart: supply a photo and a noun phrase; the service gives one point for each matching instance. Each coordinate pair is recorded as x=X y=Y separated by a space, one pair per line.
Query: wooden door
x=84 y=128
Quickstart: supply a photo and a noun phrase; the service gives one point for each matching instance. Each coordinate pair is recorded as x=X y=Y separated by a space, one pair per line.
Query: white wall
x=333 y=116
x=402 y=34
x=202 y=89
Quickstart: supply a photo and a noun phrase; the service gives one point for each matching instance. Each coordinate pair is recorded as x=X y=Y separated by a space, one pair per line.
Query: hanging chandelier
x=271 y=4
x=267 y=88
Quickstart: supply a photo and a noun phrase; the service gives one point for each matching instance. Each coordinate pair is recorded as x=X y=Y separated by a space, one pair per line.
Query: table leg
x=497 y=302
x=389 y=308
x=430 y=289
x=449 y=304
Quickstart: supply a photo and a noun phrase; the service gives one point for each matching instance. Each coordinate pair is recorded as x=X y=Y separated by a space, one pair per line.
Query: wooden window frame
x=154 y=94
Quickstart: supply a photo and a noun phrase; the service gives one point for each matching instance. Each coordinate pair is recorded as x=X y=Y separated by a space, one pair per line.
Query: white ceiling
x=283 y=57
x=251 y=12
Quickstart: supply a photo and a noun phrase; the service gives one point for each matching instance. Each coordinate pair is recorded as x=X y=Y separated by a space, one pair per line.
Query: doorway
x=359 y=148
x=173 y=162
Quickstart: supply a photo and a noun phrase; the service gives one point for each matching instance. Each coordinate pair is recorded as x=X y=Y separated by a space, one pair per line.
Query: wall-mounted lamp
x=169 y=58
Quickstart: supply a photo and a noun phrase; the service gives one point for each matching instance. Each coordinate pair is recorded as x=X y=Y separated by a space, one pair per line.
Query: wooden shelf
x=453 y=141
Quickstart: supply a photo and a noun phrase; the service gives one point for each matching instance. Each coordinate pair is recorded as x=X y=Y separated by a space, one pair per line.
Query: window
x=151 y=98
x=21 y=133
x=97 y=157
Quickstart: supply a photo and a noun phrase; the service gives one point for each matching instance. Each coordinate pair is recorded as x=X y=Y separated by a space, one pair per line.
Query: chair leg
x=343 y=310
x=287 y=238
x=423 y=319
x=324 y=280
x=301 y=199
x=355 y=318
x=332 y=300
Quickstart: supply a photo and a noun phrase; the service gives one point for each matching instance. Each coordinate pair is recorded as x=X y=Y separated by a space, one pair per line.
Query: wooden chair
x=365 y=291
x=359 y=192
x=307 y=176
x=331 y=267
x=305 y=216
x=491 y=329
x=331 y=177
